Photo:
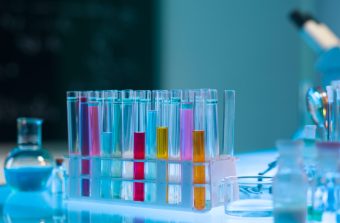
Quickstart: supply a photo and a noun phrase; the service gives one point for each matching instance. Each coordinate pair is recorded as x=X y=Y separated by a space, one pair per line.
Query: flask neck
x=29 y=133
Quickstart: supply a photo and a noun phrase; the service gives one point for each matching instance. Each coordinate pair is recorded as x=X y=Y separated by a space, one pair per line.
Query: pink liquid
x=187 y=126
x=94 y=130
x=138 y=168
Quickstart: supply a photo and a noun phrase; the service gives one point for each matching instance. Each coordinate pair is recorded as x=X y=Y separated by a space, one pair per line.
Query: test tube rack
x=102 y=184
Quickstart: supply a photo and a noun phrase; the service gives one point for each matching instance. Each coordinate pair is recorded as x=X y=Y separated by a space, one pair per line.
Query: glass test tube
x=174 y=169
x=72 y=100
x=106 y=143
x=142 y=102
x=84 y=143
x=211 y=124
x=94 y=120
x=163 y=126
x=186 y=124
x=117 y=140
x=336 y=115
x=150 y=153
x=228 y=122
x=199 y=151
x=128 y=121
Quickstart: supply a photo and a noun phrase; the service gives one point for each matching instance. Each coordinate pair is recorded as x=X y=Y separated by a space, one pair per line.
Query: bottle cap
x=59 y=161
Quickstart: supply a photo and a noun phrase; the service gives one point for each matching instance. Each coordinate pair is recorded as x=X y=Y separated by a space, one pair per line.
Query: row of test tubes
x=128 y=129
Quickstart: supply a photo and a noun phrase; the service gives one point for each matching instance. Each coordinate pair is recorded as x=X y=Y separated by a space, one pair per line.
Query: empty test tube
x=211 y=123
x=174 y=169
x=228 y=122
x=199 y=151
x=128 y=121
x=142 y=105
x=72 y=100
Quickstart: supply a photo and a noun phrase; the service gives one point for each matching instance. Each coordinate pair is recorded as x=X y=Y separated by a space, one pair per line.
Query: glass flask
x=28 y=166
x=290 y=184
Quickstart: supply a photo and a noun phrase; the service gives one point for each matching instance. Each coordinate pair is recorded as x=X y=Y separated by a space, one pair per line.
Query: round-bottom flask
x=28 y=166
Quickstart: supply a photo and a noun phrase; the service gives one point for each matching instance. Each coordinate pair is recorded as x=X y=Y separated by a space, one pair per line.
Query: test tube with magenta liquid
x=198 y=136
x=142 y=104
x=186 y=123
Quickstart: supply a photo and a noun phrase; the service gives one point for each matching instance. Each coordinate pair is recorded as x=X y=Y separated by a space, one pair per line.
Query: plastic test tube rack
x=213 y=168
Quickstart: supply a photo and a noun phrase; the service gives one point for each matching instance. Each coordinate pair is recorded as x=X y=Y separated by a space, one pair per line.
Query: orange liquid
x=162 y=142
x=199 y=171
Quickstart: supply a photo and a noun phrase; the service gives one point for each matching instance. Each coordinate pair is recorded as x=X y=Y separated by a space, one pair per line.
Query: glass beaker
x=28 y=166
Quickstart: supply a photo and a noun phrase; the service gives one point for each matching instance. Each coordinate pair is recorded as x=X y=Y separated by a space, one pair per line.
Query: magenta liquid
x=84 y=145
x=187 y=126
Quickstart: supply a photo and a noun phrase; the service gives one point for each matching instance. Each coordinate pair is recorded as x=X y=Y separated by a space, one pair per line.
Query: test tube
x=142 y=104
x=228 y=122
x=186 y=124
x=106 y=142
x=150 y=153
x=84 y=143
x=199 y=151
x=330 y=113
x=174 y=169
x=163 y=126
x=336 y=115
x=211 y=123
x=72 y=100
x=128 y=121
x=117 y=140
x=94 y=120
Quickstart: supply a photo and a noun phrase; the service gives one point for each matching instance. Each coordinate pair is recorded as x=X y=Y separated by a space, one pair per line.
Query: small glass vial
x=58 y=177
x=28 y=166
x=290 y=184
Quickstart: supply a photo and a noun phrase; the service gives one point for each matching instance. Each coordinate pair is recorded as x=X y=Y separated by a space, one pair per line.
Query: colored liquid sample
x=94 y=128
x=139 y=154
x=117 y=130
x=151 y=134
x=187 y=126
x=106 y=139
x=198 y=170
x=162 y=143
x=84 y=145
x=28 y=178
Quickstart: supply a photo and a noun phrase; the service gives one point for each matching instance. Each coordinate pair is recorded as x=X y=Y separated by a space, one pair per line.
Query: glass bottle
x=58 y=177
x=28 y=166
x=326 y=187
x=290 y=184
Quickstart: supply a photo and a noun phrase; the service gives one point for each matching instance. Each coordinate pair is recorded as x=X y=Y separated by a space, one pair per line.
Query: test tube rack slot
x=117 y=189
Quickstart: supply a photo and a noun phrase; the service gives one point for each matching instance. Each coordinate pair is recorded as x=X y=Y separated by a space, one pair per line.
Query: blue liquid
x=28 y=178
x=106 y=143
x=151 y=135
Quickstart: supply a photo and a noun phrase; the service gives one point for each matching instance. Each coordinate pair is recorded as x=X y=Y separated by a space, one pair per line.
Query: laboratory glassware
x=290 y=184
x=28 y=166
x=228 y=123
x=186 y=123
x=248 y=196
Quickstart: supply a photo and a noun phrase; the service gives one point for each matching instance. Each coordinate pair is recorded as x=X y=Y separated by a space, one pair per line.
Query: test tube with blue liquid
x=106 y=98
x=150 y=152
x=174 y=169
x=73 y=102
x=117 y=141
x=128 y=122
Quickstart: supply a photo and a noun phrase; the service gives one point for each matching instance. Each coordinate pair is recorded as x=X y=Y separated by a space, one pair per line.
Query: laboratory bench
x=45 y=207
